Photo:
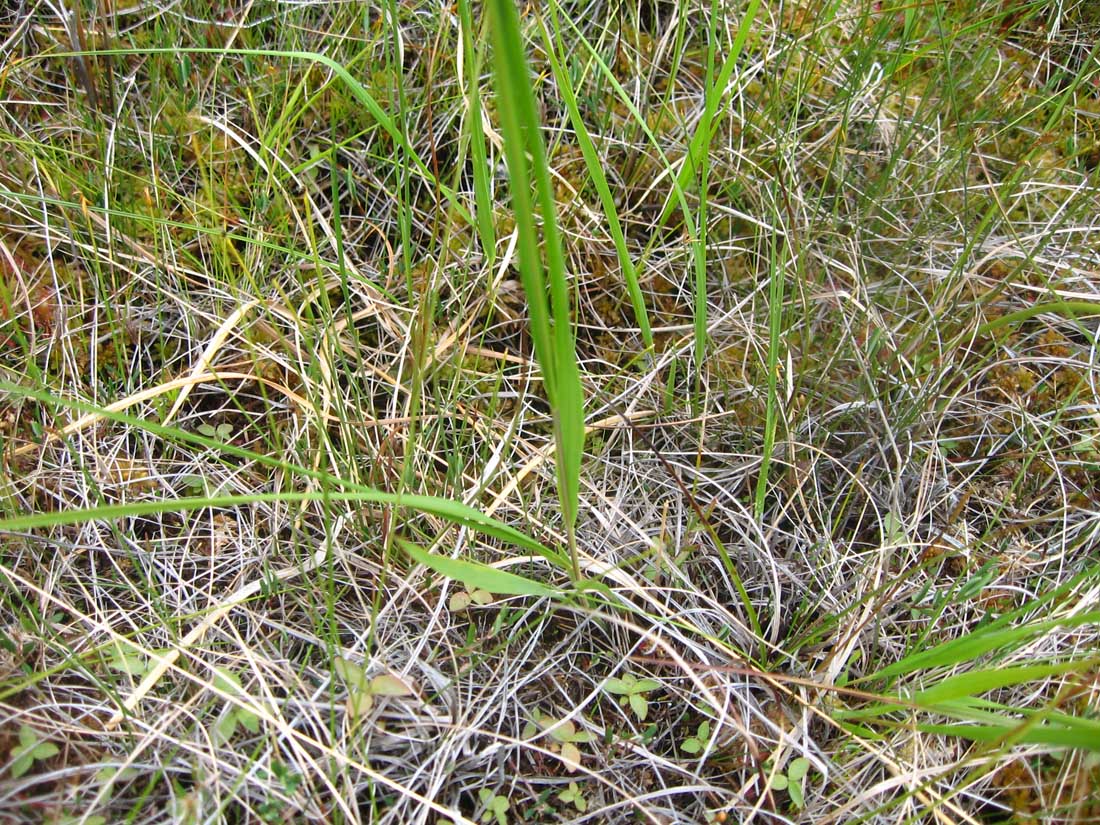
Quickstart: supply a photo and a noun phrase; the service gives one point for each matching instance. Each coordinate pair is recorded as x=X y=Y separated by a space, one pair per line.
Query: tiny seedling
x=221 y=432
x=462 y=599
x=274 y=809
x=361 y=690
x=695 y=744
x=30 y=749
x=234 y=715
x=632 y=691
x=496 y=807
x=129 y=662
x=573 y=795
x=566 y=738
x=792 y=781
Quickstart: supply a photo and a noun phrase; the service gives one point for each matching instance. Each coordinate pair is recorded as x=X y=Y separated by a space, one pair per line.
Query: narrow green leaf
x=453 y=511
x=704 y=131
x=475 y=574
x=550 y=320
x=1083 y=738
x=479 y=160
x=555 y=52
x=970 y=647
x=975 y=683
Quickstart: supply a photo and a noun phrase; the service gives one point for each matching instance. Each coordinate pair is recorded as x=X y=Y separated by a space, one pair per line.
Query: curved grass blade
x=454 y=511
x=476 y=575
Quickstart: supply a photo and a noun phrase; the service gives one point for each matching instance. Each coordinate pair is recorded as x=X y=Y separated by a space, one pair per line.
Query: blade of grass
x=715 y=94
x=476 y=575
x=555 y=53
x=454 y=511
x=551 y=323
x=479 y=159
x=777 y=263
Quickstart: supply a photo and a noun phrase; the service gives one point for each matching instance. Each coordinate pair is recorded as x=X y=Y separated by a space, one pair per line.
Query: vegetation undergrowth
x=662 y=411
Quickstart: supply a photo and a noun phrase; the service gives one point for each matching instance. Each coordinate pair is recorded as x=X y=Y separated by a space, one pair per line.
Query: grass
x=656 y=412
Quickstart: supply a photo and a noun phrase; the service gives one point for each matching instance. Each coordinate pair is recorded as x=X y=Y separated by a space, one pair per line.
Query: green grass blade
x=473 y=574
x=551 y=322
x=555 y=53
x=454 y=511
x=716 y=94
x=969 y=647
x=1081 y=736
x=777 y=264
x=479 y=159
x=976 y=682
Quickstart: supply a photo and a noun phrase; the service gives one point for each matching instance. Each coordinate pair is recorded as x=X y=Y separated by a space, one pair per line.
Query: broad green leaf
x=359 y=703
x=459 y=601
x=225 y=728
x=794 y=791
x=387 y=685
x=639 y=705
x=617 y=686
x=227 y=681
x=132 y=664
x=563 y=731
x=249 y=720
x=571 y=756
x=21 y=765
x=44 y=750
x=351 y=673
x=476 y=575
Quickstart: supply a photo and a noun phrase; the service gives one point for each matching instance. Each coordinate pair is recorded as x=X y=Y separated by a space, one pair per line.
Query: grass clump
x=668 y=411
